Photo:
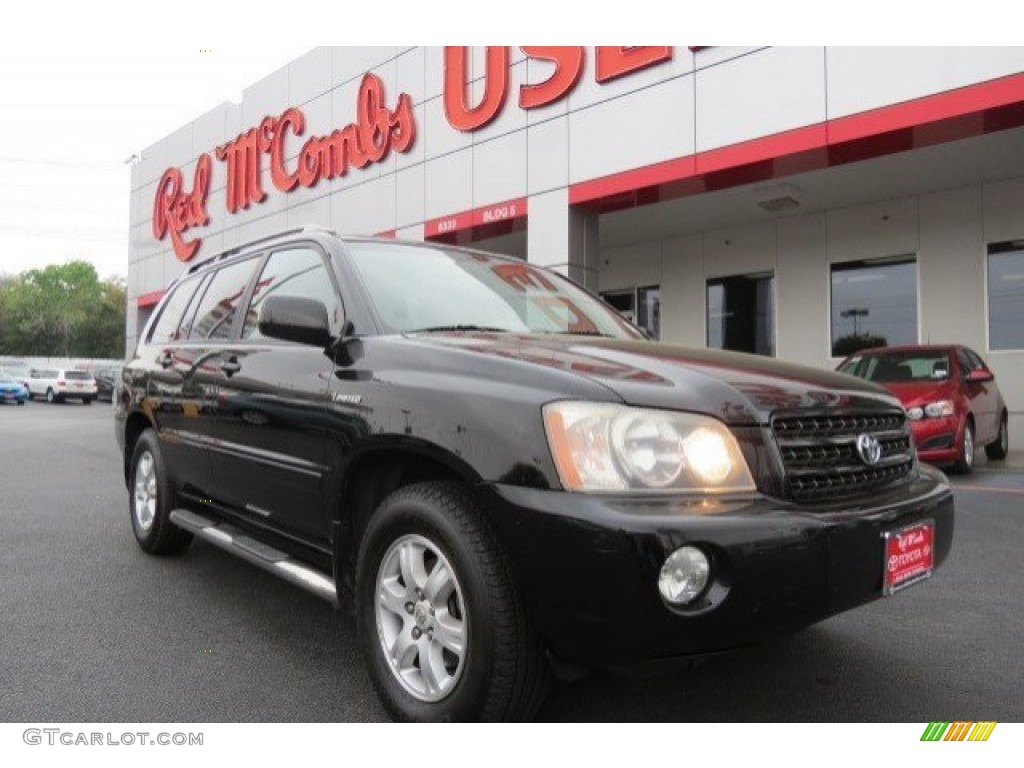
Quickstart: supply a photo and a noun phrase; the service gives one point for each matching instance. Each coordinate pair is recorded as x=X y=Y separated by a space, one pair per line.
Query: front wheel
x=441 y=621
x=965 y=462
x=50 y=396
x=998 y=450
x=151 y=499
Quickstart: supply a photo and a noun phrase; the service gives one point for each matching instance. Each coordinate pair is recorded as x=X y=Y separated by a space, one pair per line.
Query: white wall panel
x=547 y=149
x=718 y=54
x=615 y=136
x=801 y=291
x=409 y=201
x=268 y=97
x=628 y=266
x=309 y=76
x=352 y=62
x=511 y=117
x=210 y=130
x=316 y=212
x=740 y=250
x=410 y=76
x=499 y=169
x=438 y=137
x=365 y=209
x=873 y=231
x=951 y=268
x=860 y=79
x=1003 y=210
x=449 y=184
x=152 y=163
x=588 y=91
x=682 y=290
x=774 y=90
x=255 y=229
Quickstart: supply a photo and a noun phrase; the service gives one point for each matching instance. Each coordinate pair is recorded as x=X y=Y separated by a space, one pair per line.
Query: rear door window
x=215 y=314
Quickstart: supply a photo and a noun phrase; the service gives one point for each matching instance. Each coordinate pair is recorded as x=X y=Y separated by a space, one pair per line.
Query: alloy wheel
x=422 y=623
x=145 y=491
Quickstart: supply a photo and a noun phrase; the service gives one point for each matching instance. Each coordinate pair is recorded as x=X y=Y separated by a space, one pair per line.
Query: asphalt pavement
x=93 y=629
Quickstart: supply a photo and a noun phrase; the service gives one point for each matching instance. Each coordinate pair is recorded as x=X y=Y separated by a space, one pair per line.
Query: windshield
x=5 y=379
x=931 y=365
x=425 y=288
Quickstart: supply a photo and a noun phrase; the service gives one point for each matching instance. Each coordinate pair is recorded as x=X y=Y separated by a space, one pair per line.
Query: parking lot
x=94 y=630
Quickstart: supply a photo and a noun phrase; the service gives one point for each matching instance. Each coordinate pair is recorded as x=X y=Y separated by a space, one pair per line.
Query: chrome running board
x=236 y=542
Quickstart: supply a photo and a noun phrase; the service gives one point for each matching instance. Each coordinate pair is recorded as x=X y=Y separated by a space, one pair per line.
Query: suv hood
x=737 y=388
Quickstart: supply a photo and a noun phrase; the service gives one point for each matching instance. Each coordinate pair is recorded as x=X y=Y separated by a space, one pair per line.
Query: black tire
x=997 y=451
x=965 y=462
x=87 y=401
x=50 y=396
x=161 y=537
x=504 y=676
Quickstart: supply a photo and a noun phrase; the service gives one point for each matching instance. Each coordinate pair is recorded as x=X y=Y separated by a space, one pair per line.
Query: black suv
x=502 y=476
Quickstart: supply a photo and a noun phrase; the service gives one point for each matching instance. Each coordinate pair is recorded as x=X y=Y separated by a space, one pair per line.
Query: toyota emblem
x=869 y=449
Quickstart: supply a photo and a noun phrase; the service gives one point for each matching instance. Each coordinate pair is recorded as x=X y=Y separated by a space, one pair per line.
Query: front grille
x=821 y=461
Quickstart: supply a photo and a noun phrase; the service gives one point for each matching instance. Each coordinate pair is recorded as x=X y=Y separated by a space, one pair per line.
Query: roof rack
x=266 y=238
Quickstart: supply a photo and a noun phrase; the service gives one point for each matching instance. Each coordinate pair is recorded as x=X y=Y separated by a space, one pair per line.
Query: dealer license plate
x=909 y=556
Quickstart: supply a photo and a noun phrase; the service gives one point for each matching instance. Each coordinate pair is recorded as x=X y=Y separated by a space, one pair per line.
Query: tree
x=62 y=310
x=847 y=345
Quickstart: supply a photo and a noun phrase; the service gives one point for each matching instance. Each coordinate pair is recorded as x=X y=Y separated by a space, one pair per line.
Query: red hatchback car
x=950 y=395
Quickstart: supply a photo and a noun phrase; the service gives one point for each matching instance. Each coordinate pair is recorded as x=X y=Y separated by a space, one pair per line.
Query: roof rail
x=266 y=238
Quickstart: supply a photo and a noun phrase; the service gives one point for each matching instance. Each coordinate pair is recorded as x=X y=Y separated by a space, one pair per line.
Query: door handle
x=165 y=360
x=230 y=366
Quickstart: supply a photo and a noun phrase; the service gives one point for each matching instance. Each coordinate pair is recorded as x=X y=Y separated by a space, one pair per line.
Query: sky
x=69 y=125
x=84 y=86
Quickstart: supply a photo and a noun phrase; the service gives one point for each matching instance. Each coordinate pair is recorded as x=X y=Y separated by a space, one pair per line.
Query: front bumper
x=938 y=441
x=589 y=565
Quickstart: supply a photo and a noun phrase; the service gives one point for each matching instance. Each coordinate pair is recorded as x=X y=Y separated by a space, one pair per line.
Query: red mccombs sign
x=376 y=131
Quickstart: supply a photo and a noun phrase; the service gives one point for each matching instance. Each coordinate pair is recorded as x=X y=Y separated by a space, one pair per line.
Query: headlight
x=941 y=408
x=601 y=447
x=916 y=413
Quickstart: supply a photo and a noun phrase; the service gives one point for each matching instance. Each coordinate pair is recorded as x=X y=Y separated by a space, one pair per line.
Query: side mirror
x=295 y=318
x=980 y=376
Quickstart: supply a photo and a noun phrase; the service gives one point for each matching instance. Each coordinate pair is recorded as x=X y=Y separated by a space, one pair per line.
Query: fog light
x=684 y=575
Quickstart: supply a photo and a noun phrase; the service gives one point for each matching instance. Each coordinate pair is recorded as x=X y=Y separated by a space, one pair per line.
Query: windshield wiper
x=441 y=328
x=577 y=333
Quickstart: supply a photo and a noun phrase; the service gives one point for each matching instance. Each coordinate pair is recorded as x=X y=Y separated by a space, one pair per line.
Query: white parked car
x=60 y=384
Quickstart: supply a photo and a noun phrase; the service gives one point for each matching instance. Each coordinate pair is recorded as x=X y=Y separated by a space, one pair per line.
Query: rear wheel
x=50 y=396
x=151 y=499
x=998 y=450
x=441 y=621
x=87 y=400
x=965 y=462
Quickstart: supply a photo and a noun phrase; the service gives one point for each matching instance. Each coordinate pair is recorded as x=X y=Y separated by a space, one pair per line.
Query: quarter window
x=219 y=305
x=293 y=272
x=167 y=328
x=1006 y=295
x=874 y=304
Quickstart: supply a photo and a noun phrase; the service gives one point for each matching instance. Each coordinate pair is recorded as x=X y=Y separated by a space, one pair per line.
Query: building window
x=641 y=306
x=741 y=313
x=874 y=304
x=1006 y=295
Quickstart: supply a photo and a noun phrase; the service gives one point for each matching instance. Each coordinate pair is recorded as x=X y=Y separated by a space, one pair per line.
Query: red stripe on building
x=973 y=110
x=479 y=223
x=150 y=299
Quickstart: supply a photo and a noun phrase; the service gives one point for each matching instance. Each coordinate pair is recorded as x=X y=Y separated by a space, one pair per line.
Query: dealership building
x=794 y=202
